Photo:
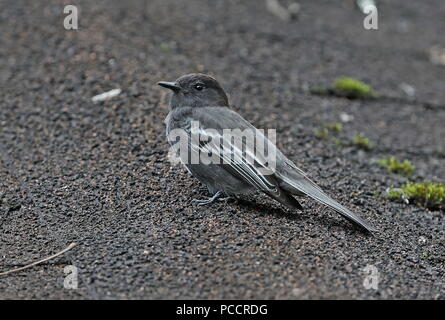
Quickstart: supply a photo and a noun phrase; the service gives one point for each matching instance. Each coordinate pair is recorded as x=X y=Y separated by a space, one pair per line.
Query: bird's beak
x=170 y=85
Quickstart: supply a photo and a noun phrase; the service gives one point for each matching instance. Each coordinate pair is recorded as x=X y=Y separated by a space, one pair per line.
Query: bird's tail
x=301 y=184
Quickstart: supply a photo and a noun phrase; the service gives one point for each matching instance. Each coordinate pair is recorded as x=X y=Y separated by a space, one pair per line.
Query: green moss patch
x=352 y=88
x=346 y=87
x=362 y=142
x=328 y=129
x=393 y=165
x=427 y=194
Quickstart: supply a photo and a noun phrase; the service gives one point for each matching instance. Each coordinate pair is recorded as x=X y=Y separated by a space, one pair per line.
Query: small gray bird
x=198 y=98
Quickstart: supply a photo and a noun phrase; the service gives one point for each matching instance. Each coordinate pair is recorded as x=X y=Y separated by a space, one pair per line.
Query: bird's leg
x=212 y=199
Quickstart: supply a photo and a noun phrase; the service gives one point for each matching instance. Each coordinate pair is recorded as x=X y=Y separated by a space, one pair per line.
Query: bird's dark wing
x=238 y=159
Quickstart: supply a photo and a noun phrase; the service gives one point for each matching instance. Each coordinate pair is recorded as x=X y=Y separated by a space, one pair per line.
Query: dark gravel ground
x=97 y=174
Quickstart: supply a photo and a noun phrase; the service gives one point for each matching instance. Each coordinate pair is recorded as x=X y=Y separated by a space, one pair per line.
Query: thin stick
x=72 y=245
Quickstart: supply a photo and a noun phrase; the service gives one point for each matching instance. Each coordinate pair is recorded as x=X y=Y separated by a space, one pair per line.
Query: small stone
x=344 y=117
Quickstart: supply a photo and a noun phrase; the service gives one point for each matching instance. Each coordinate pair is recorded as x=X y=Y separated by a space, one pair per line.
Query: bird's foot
x=225 y=199
x=216 y=196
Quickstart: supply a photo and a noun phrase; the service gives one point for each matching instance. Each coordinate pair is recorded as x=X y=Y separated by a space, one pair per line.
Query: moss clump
x=328 y=129
x=362 y=142
x=358 y=141
x=334 y=127
x=352 y=88
x=428 y=194
x=393 y=165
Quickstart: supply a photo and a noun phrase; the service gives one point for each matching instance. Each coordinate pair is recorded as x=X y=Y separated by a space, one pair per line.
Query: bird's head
x=196 y=90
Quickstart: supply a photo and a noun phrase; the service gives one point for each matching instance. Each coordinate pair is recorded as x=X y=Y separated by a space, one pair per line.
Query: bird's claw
x=224 y=199
x=216 y=196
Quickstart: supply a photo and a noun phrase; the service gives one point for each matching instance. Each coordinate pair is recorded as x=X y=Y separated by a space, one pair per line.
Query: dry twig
x=72 y=245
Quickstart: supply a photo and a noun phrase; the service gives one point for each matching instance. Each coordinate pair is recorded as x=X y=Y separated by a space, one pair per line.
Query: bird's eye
x=198 y=86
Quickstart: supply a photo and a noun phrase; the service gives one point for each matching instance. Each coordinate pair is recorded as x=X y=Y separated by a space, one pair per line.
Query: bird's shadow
x=249 y=202
x=300 y=215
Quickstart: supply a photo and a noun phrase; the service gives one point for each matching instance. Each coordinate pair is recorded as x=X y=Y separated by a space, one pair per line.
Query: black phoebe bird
x=199 y=109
